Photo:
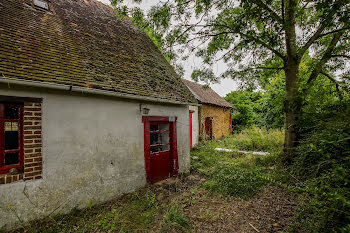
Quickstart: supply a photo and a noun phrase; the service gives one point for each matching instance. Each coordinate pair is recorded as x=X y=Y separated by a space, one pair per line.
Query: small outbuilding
x=89 y=108
x=210 y=120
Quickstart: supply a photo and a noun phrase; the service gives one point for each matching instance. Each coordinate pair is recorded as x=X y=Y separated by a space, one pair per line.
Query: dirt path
x=270 y=210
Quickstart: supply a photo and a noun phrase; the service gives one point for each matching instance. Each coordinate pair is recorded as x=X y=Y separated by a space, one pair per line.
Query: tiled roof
x=206 y=95
x=83 y=43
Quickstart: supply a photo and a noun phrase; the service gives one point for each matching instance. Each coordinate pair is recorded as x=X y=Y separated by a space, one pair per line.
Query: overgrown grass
x=135 y=213
x=175 y=220
x=256 y=139
x=235 y=175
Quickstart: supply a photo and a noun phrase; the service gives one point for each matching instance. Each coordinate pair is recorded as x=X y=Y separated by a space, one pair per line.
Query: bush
x=323 y=164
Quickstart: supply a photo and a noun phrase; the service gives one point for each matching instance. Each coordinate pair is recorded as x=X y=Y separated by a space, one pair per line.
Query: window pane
x=154 y=149
x=154 y=127
x=154 y=138
x=164 y=126
x=11 y=135
x=11 y=158
x=165 y=147
x=11 y=112
x=164 y=138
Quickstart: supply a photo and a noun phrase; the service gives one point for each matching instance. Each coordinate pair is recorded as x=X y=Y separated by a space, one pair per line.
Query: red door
x=208 y=128
x=191 y=112
x=160 y=148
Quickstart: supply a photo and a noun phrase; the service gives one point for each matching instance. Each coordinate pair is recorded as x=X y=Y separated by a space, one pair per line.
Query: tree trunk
x=292 y=108
x=292 y=105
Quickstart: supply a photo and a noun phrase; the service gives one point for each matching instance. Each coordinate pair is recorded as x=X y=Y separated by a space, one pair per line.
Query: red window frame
x=6 y=168
x=159 y=131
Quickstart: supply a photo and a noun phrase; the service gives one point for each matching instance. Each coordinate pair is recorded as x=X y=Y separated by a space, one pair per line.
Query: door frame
x=191 y=127
x=174 y=166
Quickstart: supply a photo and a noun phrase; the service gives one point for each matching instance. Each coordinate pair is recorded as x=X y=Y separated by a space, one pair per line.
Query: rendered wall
x=92 y=148
x=220 y=116
x=195 y=125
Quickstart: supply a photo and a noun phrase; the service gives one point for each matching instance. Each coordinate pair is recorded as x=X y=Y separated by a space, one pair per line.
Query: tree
x=258 y=36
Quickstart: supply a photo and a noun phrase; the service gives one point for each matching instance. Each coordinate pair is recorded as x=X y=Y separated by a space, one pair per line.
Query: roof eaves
x=57 y=86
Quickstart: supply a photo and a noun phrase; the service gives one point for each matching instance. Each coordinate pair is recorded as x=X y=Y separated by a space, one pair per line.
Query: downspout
x=84 y=90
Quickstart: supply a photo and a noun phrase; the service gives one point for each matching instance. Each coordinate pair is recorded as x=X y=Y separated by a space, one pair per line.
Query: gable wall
x=221 y=119
x=92 y=151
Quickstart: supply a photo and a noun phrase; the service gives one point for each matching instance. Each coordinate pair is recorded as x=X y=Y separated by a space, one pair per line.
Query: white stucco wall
x=92 y=152
x=195 y=125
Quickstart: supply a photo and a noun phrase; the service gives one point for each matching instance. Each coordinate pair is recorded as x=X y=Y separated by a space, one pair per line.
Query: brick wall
x=32 y=143
x=221 y=120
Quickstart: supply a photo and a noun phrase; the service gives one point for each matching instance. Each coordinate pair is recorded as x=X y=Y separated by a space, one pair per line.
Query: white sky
x=225 y=86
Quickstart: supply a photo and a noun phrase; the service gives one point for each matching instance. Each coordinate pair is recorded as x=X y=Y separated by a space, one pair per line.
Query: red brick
x=28 y=169
x=31 y=136
x=37 y=141
x=33 y=109
x=37 y=150
x=28 y=114
x=37 y=123
x=2 y=179
x=28 y=160
x=32 y=164
x=31 y=127
x=27 y=123
x=32 y=118
x=20 y=176
x=32 y=174
x=38 y=159
x=28 y=178
x=37 y=114
x=37 y=132
x=15 y=178
x=38 y=168
x=28 y=141
x=37 y=177
x=27 y=132
x=28 y=104
x=32 y=145
x=32 y=155
x=28 y=151
x=37 y=104
x=8 y=179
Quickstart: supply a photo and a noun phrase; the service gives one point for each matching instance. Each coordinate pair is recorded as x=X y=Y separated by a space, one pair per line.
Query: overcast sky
x=225 y=86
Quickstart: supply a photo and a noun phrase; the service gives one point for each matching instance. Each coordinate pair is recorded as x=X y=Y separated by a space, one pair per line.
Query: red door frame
x=190 y=118
x=174 y=166
x=5 y=169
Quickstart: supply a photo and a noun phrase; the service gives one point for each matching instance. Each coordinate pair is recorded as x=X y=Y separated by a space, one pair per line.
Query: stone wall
x=220 y=117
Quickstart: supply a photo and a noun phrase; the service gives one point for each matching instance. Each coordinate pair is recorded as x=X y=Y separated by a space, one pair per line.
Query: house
x=210 y=120
x=89 y=108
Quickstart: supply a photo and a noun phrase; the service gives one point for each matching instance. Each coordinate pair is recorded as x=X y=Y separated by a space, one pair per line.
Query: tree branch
x=318 y=33
x=335 y=82
x=276 y=52
x=341 y=55
x=334 y=31
x=326 y=56
x=268 y=9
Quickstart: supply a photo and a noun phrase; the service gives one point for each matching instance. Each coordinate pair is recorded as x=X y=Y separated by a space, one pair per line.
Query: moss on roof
x=83 y=43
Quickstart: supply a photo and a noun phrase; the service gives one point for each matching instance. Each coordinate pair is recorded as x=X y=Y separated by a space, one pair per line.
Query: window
x=11 y=137
x=159 y=138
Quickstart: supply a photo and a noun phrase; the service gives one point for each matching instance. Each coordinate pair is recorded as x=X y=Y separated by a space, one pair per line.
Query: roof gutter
x=84 y=90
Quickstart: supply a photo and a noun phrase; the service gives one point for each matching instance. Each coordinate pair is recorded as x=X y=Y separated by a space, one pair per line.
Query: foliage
x=175 y=220
x=244 y=108
x=323 y=164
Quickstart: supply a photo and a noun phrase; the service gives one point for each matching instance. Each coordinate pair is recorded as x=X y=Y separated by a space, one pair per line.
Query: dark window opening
x=11 y=137
x=159 y=137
